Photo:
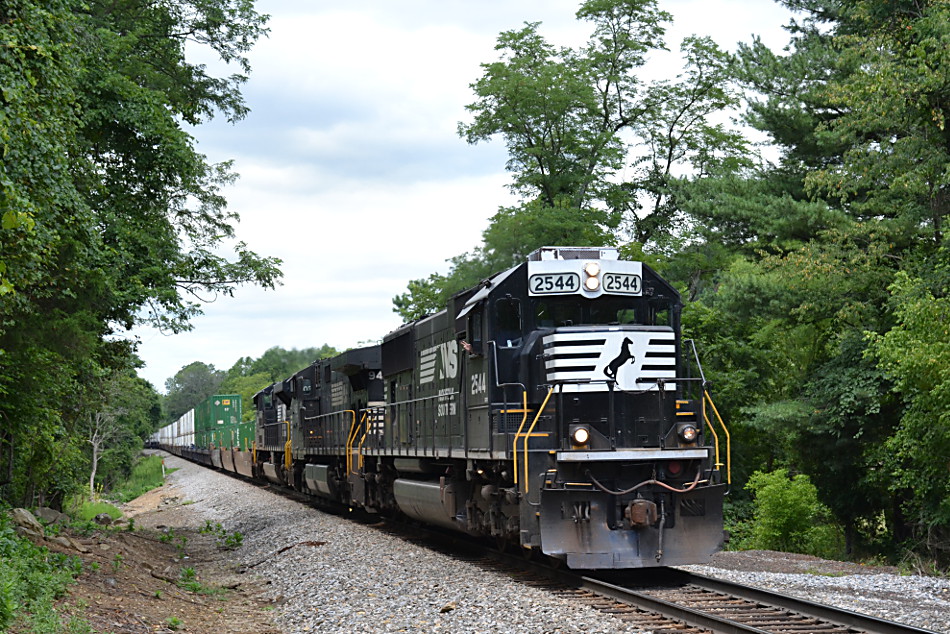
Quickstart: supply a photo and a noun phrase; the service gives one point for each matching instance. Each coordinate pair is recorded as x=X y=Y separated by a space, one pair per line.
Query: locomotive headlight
x=592 y=270
x=688 y=433
x=580 y=436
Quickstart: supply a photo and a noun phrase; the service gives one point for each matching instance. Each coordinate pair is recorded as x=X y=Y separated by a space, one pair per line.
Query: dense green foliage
x=816 y=282
x=31 y=578
x=279 y=363
x=787 y=516
x=109 y=217
x=248 y=376
x=147 y=474
x=192 y=384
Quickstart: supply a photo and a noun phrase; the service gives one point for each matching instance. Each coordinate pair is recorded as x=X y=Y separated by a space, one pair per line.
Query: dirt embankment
x=165 y=576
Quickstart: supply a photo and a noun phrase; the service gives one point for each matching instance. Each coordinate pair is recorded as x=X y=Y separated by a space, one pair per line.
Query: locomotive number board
x=622 y=283
x=554 y=283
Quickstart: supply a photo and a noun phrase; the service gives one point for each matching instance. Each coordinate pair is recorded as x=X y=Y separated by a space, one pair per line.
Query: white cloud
x=351 y=167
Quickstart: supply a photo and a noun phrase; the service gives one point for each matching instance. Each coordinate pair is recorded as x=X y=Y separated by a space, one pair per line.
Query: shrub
x=787 y=516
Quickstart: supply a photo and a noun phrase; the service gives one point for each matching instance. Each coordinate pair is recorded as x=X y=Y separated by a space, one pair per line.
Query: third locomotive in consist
x=554 y=407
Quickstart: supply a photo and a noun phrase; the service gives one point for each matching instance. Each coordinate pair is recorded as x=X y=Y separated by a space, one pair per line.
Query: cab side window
x=475 y=331
x=508 y=322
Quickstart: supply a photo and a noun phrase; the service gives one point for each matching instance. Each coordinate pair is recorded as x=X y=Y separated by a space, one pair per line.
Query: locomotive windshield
x=552 y=312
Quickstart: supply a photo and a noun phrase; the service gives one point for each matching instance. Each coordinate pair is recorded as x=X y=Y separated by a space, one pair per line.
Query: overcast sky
x=351 y=168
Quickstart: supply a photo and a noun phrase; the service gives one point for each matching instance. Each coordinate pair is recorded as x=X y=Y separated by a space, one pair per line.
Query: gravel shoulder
x=301 y=570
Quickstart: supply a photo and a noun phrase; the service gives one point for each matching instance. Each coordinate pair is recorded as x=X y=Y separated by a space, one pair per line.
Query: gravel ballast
x=337 y=575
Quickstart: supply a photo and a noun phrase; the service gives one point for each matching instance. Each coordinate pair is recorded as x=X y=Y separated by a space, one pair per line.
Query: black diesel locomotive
x=551 y=407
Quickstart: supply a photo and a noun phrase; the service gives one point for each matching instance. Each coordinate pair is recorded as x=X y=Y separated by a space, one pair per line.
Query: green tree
x=110 y=217
x=894 y=110
x=192 y=384
x=915 y=354
x=248 y=375
x=164 y=222
x=573 y=122
x=129 y=412
x=279 y=363
x=855 y=105
x=247 y=386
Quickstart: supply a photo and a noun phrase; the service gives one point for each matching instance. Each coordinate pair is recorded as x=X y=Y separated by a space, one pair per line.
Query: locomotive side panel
x=437 y=413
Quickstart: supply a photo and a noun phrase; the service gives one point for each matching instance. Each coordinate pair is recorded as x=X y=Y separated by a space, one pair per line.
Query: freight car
x=554 y=407
x=212 y=434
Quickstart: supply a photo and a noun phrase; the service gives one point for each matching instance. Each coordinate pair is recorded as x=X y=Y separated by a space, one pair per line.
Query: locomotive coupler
x=641 y=513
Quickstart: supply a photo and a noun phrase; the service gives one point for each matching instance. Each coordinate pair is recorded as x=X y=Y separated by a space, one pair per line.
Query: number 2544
x=478 y=383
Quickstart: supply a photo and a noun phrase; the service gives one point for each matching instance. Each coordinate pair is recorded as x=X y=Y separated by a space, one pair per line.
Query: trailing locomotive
x=551 y=407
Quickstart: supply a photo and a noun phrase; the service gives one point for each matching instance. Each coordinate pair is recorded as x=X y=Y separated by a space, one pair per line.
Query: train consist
x=554 y=407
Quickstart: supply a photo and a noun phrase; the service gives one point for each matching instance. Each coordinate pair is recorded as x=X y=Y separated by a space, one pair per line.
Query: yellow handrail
x=707 y=397
x=524 y=419
x=527 y=435
x=359 y=447
x=350 y=438
x=369 y=423
x=713 y=431
x=288 y=457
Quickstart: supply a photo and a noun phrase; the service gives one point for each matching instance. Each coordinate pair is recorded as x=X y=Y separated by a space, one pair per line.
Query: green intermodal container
x=245 y=436
x=217 y=421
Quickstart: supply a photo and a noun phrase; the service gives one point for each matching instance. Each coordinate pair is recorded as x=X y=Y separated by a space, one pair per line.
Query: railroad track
x=713 y=605
x=667 y=600
x=658 y=600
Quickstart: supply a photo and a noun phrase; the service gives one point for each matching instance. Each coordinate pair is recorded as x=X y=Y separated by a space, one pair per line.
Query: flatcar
x=554 y=408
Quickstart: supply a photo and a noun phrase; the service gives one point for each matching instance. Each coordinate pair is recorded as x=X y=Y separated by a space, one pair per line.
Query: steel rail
x=838 y=616
x=787 y=613
x=690 y=616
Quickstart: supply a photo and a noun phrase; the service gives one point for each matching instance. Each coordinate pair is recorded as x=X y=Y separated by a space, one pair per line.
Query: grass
x=223 y=539
x=32 y=577
x=146 y=475
x=189 y=581
x=88 y=510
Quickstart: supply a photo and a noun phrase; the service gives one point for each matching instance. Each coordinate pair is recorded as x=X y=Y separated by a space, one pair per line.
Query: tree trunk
x=92 y=472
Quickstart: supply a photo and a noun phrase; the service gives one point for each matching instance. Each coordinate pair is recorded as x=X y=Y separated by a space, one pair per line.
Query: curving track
x=713 y=605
